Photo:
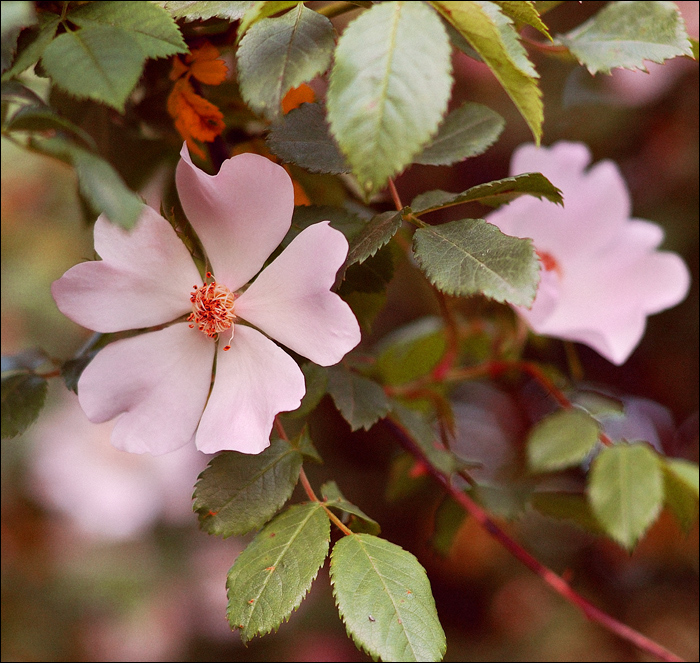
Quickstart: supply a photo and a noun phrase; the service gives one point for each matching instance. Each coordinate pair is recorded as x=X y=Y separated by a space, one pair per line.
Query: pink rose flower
x=602 y=274
x=158 y=383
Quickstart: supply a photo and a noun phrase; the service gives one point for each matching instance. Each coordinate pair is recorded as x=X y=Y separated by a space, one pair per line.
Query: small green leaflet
x=361 y=401
x=561 y=440
x=525 y=12
x=201 y=10
x=23 y=396
x=272 y=575
x=44 y=118
x=316 y=386
x=449 y=517
x=466 y=132
x=493 y=193
x=278 y=54
x=384 y=598
x=389 y=88
x=241 y=492
x=624 y=34
x=626 y=491
x=334 y=499
x=493 y=37
x=572 y=507
x=681 y=490
x=471 y=257
x=32 y=43
x=375 y=234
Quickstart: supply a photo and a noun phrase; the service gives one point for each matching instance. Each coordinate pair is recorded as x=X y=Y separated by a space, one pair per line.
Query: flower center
x=549 y=262
x=212 y=308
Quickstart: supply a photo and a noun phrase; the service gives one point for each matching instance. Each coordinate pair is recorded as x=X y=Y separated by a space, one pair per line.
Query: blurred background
x=101 y=556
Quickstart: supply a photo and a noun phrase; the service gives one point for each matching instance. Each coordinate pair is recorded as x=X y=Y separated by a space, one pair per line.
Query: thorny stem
x=556 y=582
x=308 y=489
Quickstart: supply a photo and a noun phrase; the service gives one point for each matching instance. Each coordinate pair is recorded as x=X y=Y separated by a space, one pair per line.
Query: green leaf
x=32 y=43
x=384 y=597
x=261 y=10
x=361 y=401
x=341 y=219
x=375 y=234
x=624 y=34
x=198 y=10
x=626 y=491
x=448 y=520
x=303 y=137
x=303 y=444
x=525 y=12
x=16 y=15
x=507 y=501
x=411 y=351
x=44 y=118
x=598 y=405
x=372 y=275
x=278 y=54
x=572 y=507
x=154 y=29
x=316 y=385
x=561 y=440
x=101 y=63
x=23 y=397
x=493 y=193
x=366 y=306
x=14 y=91
x=695 y=47
x=491 y=34
x=471 y=256
x=101 y=185
x=681 y=490
x=241 y=492
x=389 y=88
x=334 y=499
x=466 y=132
x=273 y=574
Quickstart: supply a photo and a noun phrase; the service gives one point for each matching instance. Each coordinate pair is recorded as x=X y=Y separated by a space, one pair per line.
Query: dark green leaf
x=201 y=10
x=525 y=12
x=303 y=137
x=103 y=63
x=16 y=92
x=278 y=54
x=44 y=118
x=389 y=88
x=493 y=193
x=507 y=502
x=624 y=34
x=626 y=491
x=341 y=219
x=73 y=369
x=23 y=397
x=681 y=490
x=471 y=257
x=411 y=351
x=273 y=574
x=16 y=15
x=493 y=37
x=316 y=385
x=448 y=520
x=361 y=401
x=366 y=306
x=561 y=440
x=303 y=444
x=466 y=132
x=384 y=598
x=32 y=43
x=372 y=275
x=241 y=492
x=373 y=236
x=334 y=499
x=573 y=507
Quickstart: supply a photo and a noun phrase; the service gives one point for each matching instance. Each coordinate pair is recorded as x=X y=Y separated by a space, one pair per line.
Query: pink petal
x=291 y=299
x=240 y=215
x=156 y=384
x=144 y=278
x=255 y=380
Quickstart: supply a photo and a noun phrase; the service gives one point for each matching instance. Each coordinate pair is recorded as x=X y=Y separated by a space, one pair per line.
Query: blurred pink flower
x=158 y=383
x=602 y=274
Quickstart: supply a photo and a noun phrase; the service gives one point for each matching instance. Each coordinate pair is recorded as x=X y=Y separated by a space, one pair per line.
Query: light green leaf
x=471 y=256
x=273 y=574
x=375 y=234
x=201 y=10
x=411 y=351
x=278 y=54
x=493 y=37
x=101 y=185
x=32 y=44
x=261 y=10
x=241 y=492
x=525 y=12
x=561 y=440
x=361 y=401
x=681 y=490
x=303 y=137
x=101 y=63
x=695 y=47
x=508 y=501
x=16 y=15
x=334 y=499
x=572 y=507
x=466 y=132
x=626 y=491
x=598 y=405
x=23 y=396
x=624 y=34
x=389 y=88
x=154 y=29
x=493 y=193
x=384 y=598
